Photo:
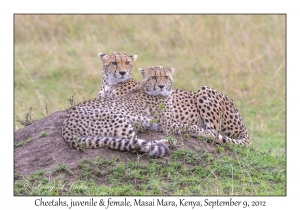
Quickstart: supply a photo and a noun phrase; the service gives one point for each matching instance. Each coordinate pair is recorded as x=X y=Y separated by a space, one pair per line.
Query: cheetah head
x=157 y=80
x=116 y=67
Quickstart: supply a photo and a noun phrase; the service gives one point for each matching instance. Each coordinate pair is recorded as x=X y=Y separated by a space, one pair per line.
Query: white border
x=30 y=6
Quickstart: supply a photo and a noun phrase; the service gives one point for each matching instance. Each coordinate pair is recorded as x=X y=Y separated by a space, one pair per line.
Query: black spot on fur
x=97 y=142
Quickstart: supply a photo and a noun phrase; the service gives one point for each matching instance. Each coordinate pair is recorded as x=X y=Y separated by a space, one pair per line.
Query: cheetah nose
x=161 y=86
x=122 y=72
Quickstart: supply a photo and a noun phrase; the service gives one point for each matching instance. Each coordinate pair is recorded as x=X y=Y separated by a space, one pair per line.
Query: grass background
x=242 y=56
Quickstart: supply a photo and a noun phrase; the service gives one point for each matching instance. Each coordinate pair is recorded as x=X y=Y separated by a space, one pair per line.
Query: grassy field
x=242 y=56
x=250 y=172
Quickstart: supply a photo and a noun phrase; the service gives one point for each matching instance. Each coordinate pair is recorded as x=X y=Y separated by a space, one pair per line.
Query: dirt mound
x=44 y=148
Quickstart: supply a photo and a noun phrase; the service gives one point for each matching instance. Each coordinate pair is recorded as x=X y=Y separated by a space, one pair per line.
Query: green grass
x=23 y=142
x=242 y=56
x=246 y=171
x=43 y=134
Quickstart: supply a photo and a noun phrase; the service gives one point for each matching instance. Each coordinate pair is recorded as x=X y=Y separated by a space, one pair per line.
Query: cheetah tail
x=158 y=148
x=241 y=141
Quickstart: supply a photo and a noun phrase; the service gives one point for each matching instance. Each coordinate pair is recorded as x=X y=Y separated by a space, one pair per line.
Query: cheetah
x=109 y=122
x=207 y=108
x=116 y=69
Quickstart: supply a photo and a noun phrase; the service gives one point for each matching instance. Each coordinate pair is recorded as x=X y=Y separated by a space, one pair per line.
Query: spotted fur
x=208 y=109
x=109 y=122
x=117 y=68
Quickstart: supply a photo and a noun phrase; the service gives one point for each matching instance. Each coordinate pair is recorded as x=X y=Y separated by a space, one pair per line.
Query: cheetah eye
x=153 y=77
x=166 y=77
x=114 y=63
x=127 y=62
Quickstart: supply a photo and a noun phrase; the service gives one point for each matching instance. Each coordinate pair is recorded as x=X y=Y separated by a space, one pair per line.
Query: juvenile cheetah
x=209 y=109
x=108 y=122
x=116 y=69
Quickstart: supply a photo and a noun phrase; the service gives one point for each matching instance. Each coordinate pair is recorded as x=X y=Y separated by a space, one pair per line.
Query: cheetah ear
x=172 y=70
x=134 y=57
x=100 y=55
x=142 y=71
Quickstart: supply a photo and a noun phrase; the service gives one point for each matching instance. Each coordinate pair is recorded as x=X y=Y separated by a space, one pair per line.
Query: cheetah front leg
x=192 y=130
x=170 y=125
x=196 y=131
x=206 y=133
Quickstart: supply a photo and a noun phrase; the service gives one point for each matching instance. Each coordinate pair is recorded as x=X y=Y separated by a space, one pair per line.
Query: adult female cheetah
x=109 y=122
x=209 y=109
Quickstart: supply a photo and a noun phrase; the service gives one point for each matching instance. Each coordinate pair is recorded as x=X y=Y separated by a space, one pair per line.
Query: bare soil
x=46 y=152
